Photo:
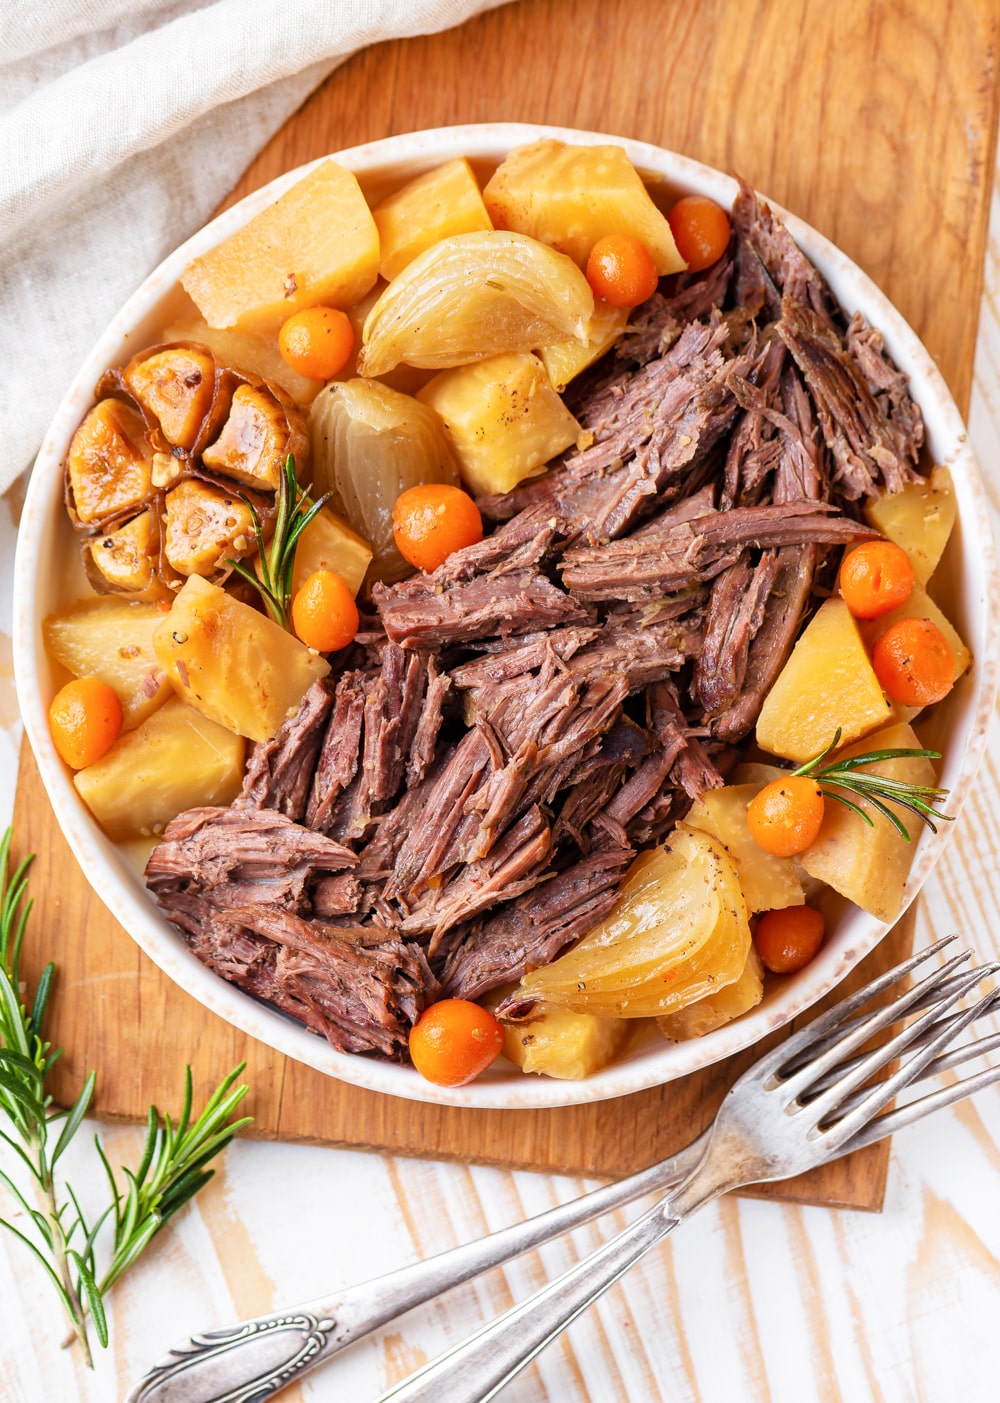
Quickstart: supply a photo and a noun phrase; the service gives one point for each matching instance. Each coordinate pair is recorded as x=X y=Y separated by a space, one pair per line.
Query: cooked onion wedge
x=369 y=444
x=472 y=296
x=678 y=931
x=715 y=1010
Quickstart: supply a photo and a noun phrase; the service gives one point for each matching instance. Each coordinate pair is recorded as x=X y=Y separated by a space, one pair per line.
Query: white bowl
x=969 y=573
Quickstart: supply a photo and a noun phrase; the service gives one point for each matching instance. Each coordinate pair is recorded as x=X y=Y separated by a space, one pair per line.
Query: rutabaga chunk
x=233 y=664
x=503 y=419
x=108 y=464
x=176 y=760
x=571 y=196
x=204 y=524
x=317 y=244
x=112 y=639
x=328 y=543
x=768 y=882
x=827 y=682
x=716 y=1010
x=870 y=865
x=677 y=932
x=474 y=296
x=557 y=1042
x=436 y=205
x=564 y=360
x=919 y=519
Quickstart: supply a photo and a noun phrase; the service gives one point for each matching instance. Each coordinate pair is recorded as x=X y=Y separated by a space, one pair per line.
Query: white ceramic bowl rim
x=119 y=885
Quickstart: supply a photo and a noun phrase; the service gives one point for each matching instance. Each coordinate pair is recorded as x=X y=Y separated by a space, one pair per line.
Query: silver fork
x=806 y=1102
x=800 y=1105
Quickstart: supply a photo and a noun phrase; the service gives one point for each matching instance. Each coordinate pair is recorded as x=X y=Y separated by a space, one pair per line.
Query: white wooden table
x=752 y=1301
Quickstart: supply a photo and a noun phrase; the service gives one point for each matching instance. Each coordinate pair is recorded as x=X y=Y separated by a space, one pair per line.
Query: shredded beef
x=873 y=445
x=279 y=771
x=510 y=729
x=419 y=613
x=535 y=928
x=681 y=554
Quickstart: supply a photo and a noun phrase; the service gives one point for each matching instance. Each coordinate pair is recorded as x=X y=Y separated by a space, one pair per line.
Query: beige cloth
x=122 y=124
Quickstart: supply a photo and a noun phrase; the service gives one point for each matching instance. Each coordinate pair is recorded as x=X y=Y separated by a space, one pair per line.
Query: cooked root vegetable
x=259 y=354
x=621 y=271
x=316 y=244
x=432 y=521
x=875 y=578
x=828 y=682
x=454 y=1041
x=557 y=1042
x=921 y=606
x=370 y=444
x=231 y=663
x=324 y=614
x=434 y=206
x=785 y=816
x=502 y=418
x=564 y=360
x=701 y=230
x=318 y=342
x=571 y=196
x=108 y=467
x=677 y=932
x=473 y=296
x=85 y=720
x=175 y=386
x=257 y=437
x=176 y=760
x=328 y=543
x=203 y=525
x=767 y=881
x=113 y=640
x=869 y=865
x=919 y=519
x=914 y=663
x=124 y=560
x=788 y=939
x=716 y=1009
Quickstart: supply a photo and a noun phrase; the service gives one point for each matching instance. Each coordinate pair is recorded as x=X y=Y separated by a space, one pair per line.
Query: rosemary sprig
x=173 y=1165
x=849 y=773
x=276 y=559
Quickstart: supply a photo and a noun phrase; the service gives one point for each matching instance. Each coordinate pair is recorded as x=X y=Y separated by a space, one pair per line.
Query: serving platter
x=957 y=726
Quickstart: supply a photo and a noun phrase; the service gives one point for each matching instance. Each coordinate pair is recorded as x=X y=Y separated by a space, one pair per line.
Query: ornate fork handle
x=249 y=1361
x=242 y=1363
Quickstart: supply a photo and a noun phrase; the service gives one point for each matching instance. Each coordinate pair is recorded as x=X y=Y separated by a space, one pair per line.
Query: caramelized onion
x=370 y=444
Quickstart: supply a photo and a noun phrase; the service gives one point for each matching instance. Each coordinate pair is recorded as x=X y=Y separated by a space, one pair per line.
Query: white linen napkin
x=123 y=123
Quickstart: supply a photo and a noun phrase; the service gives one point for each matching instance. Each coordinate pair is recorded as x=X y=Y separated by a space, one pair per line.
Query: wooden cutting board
x=876 y=123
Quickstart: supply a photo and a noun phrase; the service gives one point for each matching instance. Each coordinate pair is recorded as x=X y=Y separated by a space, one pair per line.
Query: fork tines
x=823 y=1067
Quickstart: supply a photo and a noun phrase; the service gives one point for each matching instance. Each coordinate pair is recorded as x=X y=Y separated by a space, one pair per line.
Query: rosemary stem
x=75 y=1309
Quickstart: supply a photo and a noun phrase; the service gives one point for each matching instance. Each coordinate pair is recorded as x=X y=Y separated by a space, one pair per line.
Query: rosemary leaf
x=171 y=1170
x=276 y=559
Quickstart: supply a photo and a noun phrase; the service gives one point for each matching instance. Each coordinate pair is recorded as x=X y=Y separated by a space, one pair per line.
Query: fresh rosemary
x=276 y=559
x=173 y=1164
x=848 y=773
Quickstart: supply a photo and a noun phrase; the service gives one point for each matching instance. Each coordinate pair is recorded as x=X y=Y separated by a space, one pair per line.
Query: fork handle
x=476 y=1370
x=255 y=1358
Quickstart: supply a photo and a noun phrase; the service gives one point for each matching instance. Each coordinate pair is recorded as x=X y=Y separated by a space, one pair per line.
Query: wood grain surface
x=118 y=1013
x=876 y=123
